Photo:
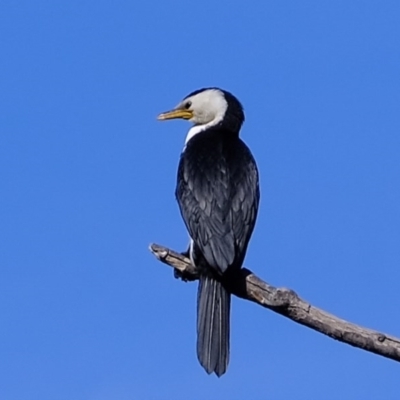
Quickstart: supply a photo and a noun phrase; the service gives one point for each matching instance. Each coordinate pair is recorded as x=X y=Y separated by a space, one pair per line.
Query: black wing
x=218 y=196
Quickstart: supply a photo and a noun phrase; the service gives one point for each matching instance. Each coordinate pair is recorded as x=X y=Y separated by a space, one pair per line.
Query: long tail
x=213 y=315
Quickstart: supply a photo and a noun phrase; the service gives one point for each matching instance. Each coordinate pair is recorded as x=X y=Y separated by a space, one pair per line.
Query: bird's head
x=209 y=107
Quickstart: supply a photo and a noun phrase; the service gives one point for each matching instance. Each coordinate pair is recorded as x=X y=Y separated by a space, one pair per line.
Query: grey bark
x=287 y=303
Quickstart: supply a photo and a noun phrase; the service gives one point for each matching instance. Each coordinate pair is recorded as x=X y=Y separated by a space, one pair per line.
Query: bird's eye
x=188 y=104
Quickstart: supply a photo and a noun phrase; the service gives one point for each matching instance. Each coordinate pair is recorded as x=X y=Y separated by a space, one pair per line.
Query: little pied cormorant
x=218 y=196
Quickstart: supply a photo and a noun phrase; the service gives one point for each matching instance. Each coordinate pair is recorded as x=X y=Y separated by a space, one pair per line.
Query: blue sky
x=87 y=182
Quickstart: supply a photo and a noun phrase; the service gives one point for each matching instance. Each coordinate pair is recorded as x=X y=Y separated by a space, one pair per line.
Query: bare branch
x=287 y=303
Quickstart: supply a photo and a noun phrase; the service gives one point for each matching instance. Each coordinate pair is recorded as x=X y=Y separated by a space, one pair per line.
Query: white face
x=208 y=107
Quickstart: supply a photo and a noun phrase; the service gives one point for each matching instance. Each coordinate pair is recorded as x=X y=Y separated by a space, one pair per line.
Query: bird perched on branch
x=218 y=195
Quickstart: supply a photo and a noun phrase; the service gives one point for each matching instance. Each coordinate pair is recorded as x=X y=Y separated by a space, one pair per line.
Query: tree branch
x=287 y=303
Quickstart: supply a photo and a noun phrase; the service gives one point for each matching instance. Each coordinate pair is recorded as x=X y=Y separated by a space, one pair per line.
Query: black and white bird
x=218 y=195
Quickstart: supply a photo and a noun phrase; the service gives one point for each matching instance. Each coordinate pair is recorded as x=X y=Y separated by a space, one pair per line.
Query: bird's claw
x=182 y=275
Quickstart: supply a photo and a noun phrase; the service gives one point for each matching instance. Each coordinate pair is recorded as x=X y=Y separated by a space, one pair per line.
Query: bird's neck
x=195 y=130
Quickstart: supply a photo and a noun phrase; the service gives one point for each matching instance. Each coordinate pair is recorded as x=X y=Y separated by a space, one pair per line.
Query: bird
x=218 y=195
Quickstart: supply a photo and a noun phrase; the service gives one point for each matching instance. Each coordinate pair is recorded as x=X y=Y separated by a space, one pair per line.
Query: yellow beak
x=177 y=113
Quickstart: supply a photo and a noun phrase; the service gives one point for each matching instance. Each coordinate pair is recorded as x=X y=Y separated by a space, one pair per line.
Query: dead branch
x=287 y=303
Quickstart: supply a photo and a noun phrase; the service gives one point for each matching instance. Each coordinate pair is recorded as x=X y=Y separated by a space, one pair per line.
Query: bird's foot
x=184 y=276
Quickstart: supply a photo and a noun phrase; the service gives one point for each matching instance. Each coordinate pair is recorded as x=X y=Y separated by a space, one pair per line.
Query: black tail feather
x=213 y=315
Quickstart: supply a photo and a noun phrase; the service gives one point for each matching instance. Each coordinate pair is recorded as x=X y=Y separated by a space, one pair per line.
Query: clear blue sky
x=87 y=182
